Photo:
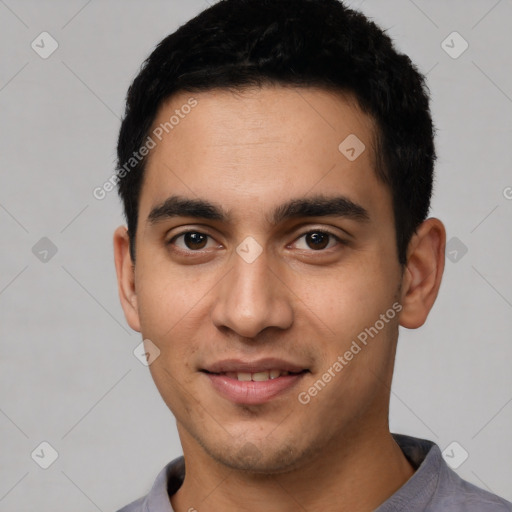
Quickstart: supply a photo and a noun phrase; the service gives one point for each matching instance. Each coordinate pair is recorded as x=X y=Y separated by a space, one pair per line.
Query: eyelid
x=310 y=226
x=196 y=228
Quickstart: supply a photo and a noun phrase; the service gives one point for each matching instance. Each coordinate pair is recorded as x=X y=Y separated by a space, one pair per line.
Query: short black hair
x=235 y=44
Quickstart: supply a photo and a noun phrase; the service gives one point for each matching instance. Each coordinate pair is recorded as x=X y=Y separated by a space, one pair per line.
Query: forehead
x=261 y=145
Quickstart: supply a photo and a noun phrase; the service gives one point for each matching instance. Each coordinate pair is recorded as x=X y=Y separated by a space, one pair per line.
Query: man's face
x=259 y=286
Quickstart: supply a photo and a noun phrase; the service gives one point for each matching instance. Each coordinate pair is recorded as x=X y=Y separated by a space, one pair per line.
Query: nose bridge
x=251 y=297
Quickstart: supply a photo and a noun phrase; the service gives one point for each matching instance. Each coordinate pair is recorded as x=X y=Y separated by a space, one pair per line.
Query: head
x=295 y=146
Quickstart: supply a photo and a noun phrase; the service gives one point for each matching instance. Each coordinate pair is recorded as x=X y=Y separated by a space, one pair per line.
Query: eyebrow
x=315 y=206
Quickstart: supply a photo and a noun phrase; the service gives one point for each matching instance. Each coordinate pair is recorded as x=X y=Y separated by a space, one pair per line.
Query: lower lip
x=252 y=392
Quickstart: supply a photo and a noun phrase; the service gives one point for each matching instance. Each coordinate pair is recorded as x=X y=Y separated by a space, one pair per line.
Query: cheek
x=172 y=312
x=166 y=298
x=346 y=300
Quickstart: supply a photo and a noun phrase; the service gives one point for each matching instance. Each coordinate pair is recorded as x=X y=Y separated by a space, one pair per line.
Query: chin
x=259 y=457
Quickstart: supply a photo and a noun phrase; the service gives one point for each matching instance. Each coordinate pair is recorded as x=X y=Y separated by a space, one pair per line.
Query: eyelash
x=199 y=251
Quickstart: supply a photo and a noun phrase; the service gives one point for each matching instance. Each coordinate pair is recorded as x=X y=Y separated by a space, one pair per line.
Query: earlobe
x=422 y=277
x=126 y=277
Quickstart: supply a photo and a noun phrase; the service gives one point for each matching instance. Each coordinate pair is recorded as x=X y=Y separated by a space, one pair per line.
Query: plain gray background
x=68 y=375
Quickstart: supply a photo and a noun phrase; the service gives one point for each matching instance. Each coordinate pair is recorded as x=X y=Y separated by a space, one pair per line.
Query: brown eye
x=191 y=241
x=317 y=240
x=195 y=240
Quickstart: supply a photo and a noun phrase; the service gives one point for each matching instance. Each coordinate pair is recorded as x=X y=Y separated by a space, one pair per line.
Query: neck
x=357 y=473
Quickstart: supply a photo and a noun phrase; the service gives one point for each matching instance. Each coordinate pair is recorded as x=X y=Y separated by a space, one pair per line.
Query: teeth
x=256 y=377
x=260 y=376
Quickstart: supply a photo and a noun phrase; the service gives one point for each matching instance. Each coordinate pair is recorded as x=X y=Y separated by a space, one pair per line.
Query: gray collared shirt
x=433 y=487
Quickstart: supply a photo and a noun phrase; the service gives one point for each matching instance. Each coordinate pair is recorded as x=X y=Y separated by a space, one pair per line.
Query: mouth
x=252 y=383
x=260 y=376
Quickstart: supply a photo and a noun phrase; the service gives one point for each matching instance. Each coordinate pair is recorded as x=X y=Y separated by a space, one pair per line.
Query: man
x=275 y=164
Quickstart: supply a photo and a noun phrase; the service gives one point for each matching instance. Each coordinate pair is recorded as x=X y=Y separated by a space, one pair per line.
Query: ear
x=126 y=277
x=422 y=277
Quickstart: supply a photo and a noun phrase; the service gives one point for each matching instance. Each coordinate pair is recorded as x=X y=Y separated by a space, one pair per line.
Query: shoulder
x=135 y=506
x=454 y=493
x=435 y=487
x=166 y=484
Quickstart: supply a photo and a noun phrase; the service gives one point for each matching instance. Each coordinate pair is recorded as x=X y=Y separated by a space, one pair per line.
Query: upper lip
x=259 y=365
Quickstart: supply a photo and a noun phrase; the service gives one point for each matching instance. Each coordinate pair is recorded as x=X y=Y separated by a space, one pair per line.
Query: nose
x=252 y=297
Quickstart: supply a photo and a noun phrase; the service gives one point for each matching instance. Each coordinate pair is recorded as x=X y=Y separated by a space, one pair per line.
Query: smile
x=253 y=388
